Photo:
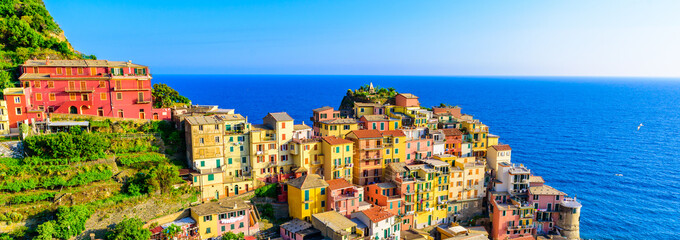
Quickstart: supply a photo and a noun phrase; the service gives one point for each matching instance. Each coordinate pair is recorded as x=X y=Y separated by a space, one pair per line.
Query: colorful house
x=338 y=154
x=379 y=122
x=453 y=139
x=306 y=196
x=477 y=133
x=323 y=114
x=269 y=150
x=4 y=118
x=307 y=156
x=406 y=100
x=344 y=197
x=394 y=146
x=360 y=109
x=226 y=215
x=297 y=229
x=381 y=224
x=368 y=164
x=90 y=87
x=337 y=127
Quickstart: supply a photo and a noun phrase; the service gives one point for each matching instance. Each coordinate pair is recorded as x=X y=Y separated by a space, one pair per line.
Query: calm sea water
x=577 y=133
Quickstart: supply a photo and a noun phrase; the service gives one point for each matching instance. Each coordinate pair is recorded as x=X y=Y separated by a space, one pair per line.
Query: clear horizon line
x=424 y=75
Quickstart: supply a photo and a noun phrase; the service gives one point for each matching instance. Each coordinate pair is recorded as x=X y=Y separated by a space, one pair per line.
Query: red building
x=89 y=87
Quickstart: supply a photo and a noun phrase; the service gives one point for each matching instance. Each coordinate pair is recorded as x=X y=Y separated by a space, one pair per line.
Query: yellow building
x=269 y=152
x=338 y=127
x=440 y=183
x=492 y=140
x=338 y=155
x=477 y=133
x=237 y=172
x=394 y=146
x=415 y=115
x=425 y=203
x=205 y=144
x=4 y=118
x=306 y=196
x=361 y=109
x=307 y=156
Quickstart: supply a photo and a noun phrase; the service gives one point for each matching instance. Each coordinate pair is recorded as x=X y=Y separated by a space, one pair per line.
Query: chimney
x=47 y=61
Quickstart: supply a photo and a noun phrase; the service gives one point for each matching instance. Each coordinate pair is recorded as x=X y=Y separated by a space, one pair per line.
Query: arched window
x=73 y=110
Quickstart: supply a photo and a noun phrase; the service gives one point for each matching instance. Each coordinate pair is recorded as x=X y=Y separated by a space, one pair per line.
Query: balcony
x=120 y=89
x=393 y=197
x=143 y=101
x=78 y=90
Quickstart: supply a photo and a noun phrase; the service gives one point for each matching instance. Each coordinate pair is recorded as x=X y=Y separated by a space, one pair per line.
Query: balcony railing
x=77 y=90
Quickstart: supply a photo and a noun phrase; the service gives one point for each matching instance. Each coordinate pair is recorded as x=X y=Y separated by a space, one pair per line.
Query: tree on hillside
x=129 y=228
x=71 y=220
x=46 y=231
x=163 y=176
x=233 y=236
x=164 y=96
x=172 y=231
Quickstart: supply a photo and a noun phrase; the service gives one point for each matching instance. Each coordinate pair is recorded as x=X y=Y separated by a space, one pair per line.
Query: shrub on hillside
x=266 y=191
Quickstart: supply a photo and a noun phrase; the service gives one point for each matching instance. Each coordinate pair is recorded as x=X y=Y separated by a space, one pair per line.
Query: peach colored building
x=378 y=122
x=343 y=196
x=418 y=148
x=511 y=219
x=453 y=111
x=453 y=140
x=545 y=200
x=323 y=114
x=406 y=100
x=368 y=146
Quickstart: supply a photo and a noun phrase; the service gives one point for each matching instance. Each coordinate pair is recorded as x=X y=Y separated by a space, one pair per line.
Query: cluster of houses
x=378 y=171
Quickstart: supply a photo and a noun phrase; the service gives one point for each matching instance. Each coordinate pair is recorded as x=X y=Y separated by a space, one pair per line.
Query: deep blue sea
x=577 y=133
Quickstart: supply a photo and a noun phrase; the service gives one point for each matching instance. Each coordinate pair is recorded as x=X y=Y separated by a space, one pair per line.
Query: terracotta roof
x=408 y=95
x=301 y=126
x=502 y=147
x=452 y=132
x=376 y=214
x=545 y=190
x=333 y=140
x=322 y=109
x=221 y=206
x=367 y=134
x=280 y=116
x=308 y=181
x=394 y=133
x=338 y=183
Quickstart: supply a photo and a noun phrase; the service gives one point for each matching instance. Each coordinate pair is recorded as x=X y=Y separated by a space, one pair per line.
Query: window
x=36 y=84
x=306 y=195
x=202 y=163
x=50 y=84
x=59 y=71
x=347 y=148
x=224 y=228
x=232 y=227
x=323 y=191
x=535 y=197
x=83 y=85
x=80 y=71
x=207 y=218
x=240 y=225
x=85 y=97
x=18 y=111
x=211 y=177
x=283 y=125
x=17 y=99
x=200 y=140
x=102 y=96
x=323 y=203
x=306 y=206
x=38 y=96
x=140 y=97
x=217 y=139
x=119 y=96
x=557 y=197
x=346 y=127
x=102 y=84
x=207 y=230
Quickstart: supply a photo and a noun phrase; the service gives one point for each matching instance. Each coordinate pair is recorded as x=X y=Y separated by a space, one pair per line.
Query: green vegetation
x=29 y=198
x=365 y=94
x=233 y=236
x=72 y=145
x=164 y=96
x=70 y=222
x=158 y=178
x=269 y=190
x=140 y=160
x=129 y=228
x=27 y=30
x=172 y=231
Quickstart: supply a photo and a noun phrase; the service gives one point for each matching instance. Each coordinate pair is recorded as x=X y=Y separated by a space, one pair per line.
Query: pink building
x=406 y=100
x=546 y=200
x=510 y=218
x=323 y=114
x=378 y=122
x=343 y=197
x=418 y=148
x=226 y=215
x=89 y=87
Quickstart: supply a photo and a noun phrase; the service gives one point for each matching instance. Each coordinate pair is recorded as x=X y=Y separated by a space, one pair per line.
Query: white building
x=381 y=224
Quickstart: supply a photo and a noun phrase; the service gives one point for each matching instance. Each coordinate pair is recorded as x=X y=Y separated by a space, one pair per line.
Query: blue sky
x=526 y=38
